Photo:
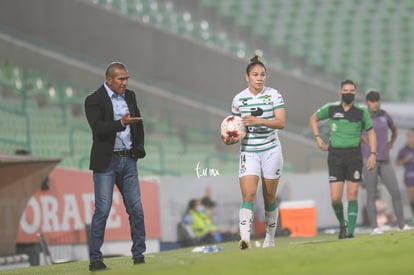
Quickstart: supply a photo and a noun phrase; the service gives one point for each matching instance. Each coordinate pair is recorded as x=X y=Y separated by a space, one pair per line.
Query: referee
x=346 y=123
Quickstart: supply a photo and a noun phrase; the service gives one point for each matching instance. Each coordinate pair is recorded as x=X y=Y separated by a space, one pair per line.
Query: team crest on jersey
x=357 y=175
x=244 y=101
x=333 y=127
x=266 y=99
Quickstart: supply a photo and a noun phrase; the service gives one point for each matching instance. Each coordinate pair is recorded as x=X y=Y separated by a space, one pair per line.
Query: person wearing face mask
x=382 y=122
x=208 y=205
x=346 y=123
x=205 y=232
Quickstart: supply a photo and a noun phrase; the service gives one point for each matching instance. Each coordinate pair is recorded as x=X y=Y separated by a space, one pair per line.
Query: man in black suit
x=118 y=142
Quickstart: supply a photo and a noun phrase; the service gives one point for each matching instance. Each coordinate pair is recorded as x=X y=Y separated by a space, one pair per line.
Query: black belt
x=123 y=153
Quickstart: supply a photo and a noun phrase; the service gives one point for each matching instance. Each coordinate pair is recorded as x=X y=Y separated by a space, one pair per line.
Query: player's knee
x=336 y=199
x=249 y=197
x=269 y=198
x=352 y=195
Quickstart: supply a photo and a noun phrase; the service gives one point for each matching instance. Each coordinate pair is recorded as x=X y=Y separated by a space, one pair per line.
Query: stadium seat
x=68 y=136
x=318 y=31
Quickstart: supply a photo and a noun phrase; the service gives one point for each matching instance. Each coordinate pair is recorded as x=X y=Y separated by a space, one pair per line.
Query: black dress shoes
x=98 y=265
x=139 y=260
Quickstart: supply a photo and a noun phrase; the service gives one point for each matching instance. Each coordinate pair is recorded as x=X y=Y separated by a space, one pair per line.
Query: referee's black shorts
x=345 y=164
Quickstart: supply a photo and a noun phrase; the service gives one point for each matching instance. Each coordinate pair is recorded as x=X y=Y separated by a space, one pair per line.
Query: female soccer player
x=263 y=112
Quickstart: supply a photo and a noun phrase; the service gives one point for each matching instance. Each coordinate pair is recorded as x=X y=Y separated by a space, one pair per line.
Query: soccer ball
x=232 y=126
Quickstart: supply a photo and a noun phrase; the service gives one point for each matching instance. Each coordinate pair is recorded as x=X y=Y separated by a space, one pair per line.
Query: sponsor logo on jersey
x=256 y=111
x=338 y=115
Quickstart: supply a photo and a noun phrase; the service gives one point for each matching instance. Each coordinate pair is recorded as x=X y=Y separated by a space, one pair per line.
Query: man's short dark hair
x=347 y=81
x=373 y=96
x=110 y=70
x=206 y=201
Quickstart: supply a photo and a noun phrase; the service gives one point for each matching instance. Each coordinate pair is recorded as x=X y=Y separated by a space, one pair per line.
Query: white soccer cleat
x=268 y=242
x=406 y=228
x=244 y=244
x=377 y=231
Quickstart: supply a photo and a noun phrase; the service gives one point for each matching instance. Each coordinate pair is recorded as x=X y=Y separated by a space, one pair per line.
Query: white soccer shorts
x=267 y=164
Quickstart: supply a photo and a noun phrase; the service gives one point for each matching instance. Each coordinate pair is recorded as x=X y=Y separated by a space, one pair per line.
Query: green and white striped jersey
x=258 y=138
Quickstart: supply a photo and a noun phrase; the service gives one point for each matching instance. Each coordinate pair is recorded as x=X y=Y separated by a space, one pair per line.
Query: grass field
x=390 y=253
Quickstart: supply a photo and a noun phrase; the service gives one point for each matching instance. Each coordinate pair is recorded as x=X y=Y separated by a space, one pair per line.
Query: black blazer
x=100 y=115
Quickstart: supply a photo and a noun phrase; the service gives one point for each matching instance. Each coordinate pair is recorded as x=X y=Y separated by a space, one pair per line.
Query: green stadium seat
x=56 y=132
x=324 y=33
x=226 y=8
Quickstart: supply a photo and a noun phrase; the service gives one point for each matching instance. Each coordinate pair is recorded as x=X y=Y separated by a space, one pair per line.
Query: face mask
x=348 y=98
x=200 y=208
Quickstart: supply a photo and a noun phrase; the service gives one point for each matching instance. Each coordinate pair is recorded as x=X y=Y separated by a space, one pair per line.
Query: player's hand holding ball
x=232 y=130
x=229 y=140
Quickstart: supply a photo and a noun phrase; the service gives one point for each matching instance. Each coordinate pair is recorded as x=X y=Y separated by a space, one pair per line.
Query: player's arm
x=313 y=124
x=278 y=122
x=372 y=159
x=364 y=139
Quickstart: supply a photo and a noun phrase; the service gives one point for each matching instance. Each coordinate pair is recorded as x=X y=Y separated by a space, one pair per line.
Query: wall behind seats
x=102 y=35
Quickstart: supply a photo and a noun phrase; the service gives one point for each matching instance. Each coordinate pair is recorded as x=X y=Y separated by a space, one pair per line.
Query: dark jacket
x=100 y=116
